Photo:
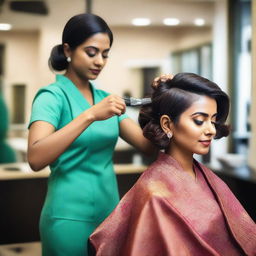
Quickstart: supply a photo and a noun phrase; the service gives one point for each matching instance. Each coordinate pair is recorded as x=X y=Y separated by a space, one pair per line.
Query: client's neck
x=184 y=159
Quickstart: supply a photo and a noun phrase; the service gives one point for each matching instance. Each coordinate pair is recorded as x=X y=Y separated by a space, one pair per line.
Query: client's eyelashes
x=198 y=122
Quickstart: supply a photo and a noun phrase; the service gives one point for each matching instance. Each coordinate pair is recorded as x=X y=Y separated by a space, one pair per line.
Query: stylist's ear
x=166 y=123
x=67 y=50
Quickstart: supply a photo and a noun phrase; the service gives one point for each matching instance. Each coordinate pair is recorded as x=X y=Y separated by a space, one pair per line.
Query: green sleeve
x=47 y=106
x=122 y=117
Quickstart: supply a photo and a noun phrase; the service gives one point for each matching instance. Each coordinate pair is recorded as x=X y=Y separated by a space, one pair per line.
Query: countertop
x=23 y=171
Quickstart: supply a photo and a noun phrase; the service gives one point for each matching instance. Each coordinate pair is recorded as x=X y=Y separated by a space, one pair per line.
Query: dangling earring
x=169 y=135
x=68 y=59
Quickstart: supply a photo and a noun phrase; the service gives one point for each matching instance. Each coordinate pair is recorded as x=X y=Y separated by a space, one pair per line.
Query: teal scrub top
x=82 y=184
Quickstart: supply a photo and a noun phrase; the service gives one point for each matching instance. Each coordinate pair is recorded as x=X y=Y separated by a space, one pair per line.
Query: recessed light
x=199 y=22
x=5 y=26
x=141 y=22
x=171 y=22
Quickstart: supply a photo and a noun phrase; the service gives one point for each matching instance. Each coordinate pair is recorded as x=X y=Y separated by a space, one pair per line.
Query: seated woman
x=178 y=206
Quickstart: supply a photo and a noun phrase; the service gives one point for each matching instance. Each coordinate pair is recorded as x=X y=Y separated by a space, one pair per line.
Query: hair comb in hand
x=133 y=102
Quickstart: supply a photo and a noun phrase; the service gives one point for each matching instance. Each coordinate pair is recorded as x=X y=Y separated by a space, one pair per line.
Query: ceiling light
x=141 y=22
x=171 y=22
x=199 y=22
x=5 y=26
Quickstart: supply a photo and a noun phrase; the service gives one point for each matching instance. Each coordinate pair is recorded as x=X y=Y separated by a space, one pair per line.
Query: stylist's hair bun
x=58 y=60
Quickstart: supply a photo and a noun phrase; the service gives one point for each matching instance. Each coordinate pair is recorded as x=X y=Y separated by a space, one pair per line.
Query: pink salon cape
x=168 y=213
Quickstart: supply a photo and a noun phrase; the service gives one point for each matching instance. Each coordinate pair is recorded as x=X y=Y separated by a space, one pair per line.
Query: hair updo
x=78 y=29
x=175 y=96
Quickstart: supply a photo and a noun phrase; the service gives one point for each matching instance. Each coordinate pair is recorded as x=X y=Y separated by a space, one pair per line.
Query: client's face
x=196 y=127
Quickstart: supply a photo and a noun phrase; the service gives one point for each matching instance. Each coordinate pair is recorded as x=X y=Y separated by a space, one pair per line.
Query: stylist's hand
x=161 y=79
x=110 y=106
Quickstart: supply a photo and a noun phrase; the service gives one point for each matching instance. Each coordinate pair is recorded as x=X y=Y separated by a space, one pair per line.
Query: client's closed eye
x=198 y=122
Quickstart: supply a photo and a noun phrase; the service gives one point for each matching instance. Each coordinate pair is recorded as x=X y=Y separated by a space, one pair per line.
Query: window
x=18 y=103
x=1 y=66
x=148 y=75
x=241 y=73
x=196 y=60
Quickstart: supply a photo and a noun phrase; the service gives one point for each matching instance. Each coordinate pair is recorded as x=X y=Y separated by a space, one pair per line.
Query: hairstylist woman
x=74 y=128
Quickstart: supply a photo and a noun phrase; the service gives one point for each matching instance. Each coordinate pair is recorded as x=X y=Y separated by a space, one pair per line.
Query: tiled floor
x=26 y=249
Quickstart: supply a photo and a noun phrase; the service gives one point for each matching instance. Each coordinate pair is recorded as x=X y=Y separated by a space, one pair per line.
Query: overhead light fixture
x=141 y=22
x=171 y=22
x=29 y=6
x=199 y=22
x=5 y=26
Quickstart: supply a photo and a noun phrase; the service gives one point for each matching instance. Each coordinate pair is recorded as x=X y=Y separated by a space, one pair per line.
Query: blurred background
x=212 y=38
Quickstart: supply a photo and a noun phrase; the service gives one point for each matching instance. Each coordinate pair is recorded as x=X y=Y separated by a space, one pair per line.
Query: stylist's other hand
x=161 y=79
x=110 y=106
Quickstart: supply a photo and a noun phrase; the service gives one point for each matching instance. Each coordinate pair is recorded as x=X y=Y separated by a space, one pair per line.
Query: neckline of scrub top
x=70 y=88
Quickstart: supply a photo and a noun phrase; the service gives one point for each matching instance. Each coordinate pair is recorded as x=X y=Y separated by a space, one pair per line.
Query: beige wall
x=135 y=48
x=20 y=63
x=252 y=149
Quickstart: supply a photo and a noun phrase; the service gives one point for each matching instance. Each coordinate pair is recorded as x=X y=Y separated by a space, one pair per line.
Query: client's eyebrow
x=202 y=114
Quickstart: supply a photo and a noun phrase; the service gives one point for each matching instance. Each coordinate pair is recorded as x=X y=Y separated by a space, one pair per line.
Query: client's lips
x=206 y=143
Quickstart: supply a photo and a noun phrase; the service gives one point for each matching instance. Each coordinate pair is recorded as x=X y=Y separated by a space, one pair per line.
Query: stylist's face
x=89 y=58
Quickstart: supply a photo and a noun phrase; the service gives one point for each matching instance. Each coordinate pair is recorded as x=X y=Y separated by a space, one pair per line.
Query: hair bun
x=58 y=60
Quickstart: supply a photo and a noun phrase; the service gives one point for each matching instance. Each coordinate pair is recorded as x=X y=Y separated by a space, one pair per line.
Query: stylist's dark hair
x=79 y=28
x=175 y=96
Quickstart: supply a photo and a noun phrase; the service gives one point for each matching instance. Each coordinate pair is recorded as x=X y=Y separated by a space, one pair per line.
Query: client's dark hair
x=174 y=97
x=78 y=29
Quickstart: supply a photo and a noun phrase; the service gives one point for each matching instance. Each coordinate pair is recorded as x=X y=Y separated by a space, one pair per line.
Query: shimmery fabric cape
x=148 y=220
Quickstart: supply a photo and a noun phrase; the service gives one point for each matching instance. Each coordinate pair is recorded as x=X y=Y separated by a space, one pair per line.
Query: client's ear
x=166 y=123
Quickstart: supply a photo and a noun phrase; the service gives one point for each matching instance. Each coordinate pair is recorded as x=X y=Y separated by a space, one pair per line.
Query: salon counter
x=18 y=171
